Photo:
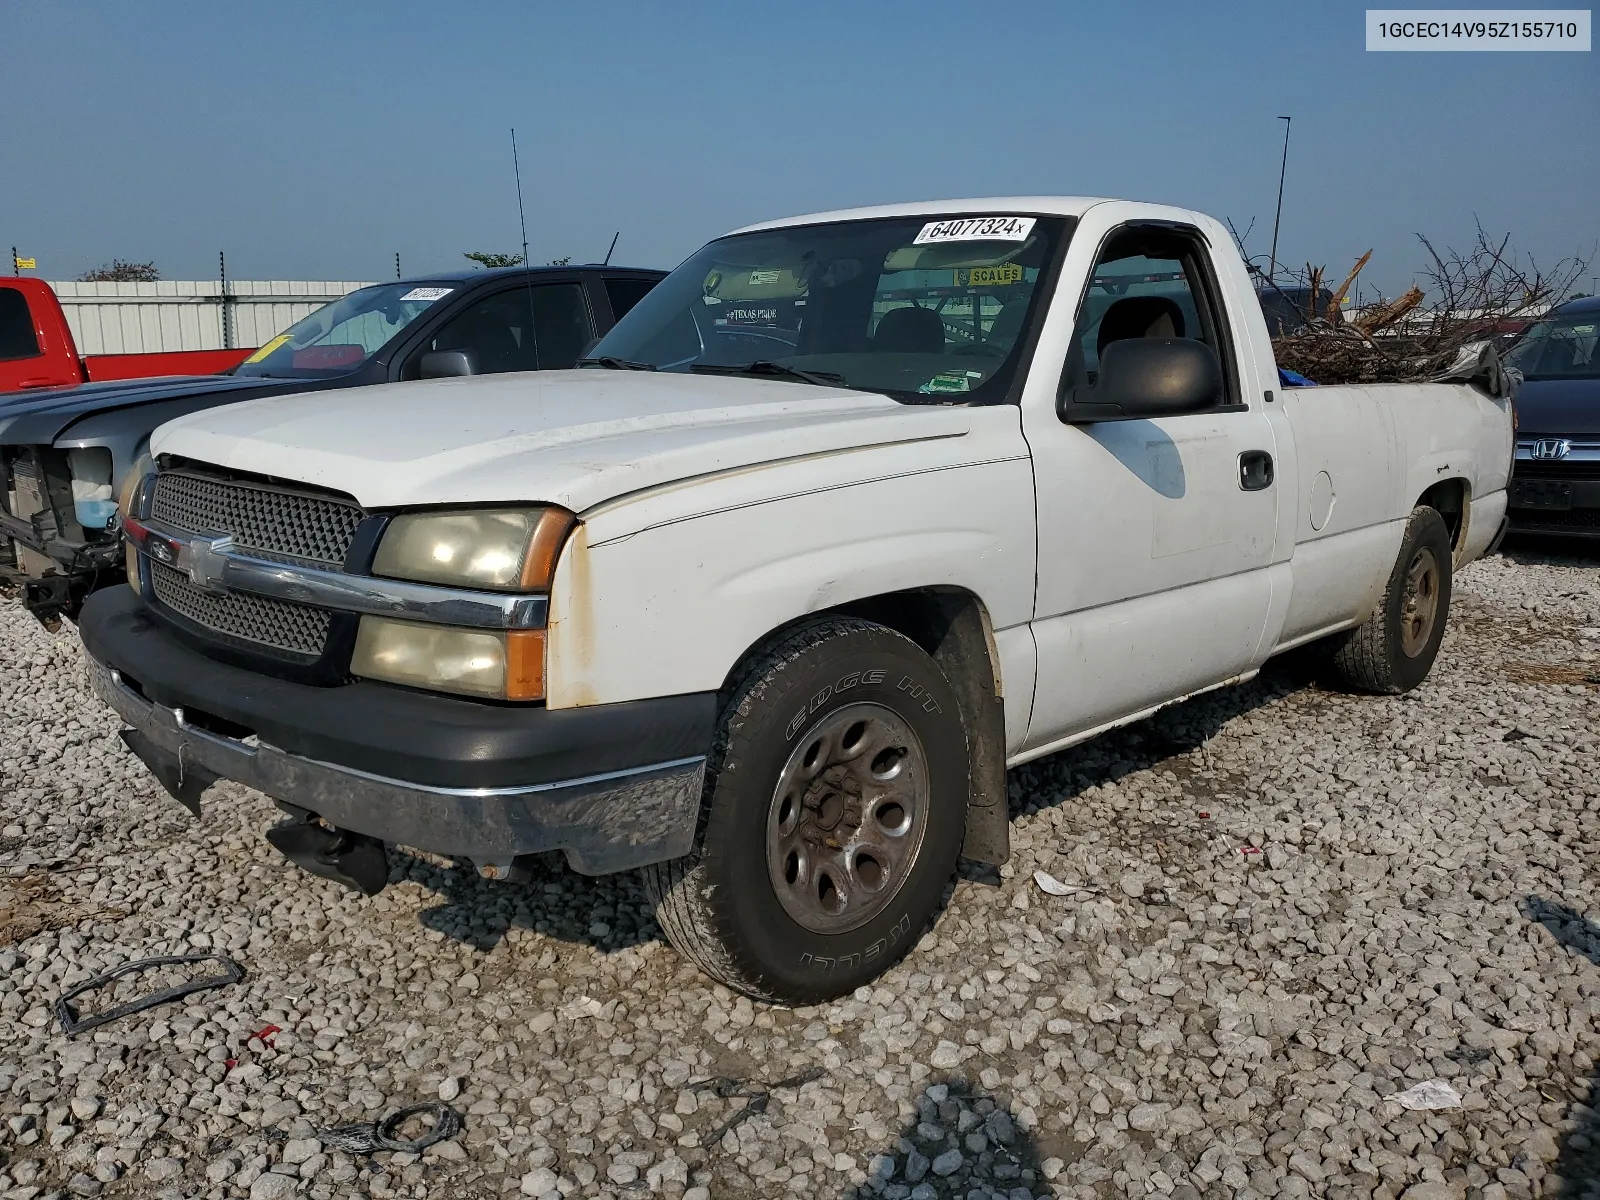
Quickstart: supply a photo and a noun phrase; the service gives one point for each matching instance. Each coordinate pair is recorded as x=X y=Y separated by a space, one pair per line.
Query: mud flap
x=353 y=859
x=184 y=783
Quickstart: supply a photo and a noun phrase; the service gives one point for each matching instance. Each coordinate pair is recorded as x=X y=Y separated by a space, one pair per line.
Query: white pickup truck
x=850 y=514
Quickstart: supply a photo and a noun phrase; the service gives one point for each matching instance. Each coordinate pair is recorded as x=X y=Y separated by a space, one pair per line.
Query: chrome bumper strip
x=603 y=823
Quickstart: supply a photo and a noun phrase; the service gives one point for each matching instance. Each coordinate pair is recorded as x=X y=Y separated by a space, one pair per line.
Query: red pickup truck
x=37 y=350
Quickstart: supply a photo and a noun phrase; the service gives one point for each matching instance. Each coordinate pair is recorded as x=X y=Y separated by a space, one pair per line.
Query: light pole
x=1272 y=261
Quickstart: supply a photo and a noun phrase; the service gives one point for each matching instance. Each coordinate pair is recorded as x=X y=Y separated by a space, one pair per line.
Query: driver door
x=1153 y=576
x=537 y=327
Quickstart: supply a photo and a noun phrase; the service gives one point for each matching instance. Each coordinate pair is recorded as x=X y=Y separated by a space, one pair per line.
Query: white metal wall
x=183 y=314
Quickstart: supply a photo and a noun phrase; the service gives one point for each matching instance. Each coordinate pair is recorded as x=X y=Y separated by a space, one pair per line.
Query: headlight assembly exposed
x=472 y=662
x=92 y=504
x=504 y=549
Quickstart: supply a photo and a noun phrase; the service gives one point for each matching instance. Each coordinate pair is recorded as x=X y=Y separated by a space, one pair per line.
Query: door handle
x=1255 y=470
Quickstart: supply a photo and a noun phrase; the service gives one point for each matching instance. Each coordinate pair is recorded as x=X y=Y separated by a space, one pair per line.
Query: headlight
x=142 y=466
x=129 y=495
x=506 y=549
x=473 y=662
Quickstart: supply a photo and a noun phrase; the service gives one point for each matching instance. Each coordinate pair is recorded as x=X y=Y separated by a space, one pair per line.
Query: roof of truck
x=1065 y=206
x=478 y=274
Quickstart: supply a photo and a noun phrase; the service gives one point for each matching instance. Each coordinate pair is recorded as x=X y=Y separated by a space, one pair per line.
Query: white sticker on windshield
x=976 y=229
x=427 y=293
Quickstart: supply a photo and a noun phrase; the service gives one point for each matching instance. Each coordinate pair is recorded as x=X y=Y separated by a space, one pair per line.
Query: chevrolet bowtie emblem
x=205 y=561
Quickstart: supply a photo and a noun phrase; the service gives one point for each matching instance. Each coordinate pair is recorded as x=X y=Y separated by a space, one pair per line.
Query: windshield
x=925 y=309
x=1561 y=347
x=339 y=337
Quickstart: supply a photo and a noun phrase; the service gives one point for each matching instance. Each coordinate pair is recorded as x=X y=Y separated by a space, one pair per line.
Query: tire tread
x=682 y=907
x=1363 y=659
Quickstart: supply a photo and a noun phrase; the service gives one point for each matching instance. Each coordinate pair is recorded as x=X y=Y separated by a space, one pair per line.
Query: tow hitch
x=353 y=859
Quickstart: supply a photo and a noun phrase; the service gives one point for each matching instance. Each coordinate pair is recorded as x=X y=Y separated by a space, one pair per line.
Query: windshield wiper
x=775 y=370
x=617 y=364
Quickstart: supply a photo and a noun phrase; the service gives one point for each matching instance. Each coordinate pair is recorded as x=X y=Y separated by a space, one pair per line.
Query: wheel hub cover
x=847 y=818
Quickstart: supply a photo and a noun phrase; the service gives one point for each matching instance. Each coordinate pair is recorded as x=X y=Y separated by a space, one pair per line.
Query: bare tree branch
x=1474 y=295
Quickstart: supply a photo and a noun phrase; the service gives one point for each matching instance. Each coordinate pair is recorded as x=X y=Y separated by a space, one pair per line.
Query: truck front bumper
x=613 y=786
x=1563 y=501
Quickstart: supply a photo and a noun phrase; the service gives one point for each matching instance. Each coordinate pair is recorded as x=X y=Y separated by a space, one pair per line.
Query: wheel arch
x=952 y=625
x=1452 y=500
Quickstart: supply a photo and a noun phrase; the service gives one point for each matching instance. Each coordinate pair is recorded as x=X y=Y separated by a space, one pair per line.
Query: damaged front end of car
x=60 y=536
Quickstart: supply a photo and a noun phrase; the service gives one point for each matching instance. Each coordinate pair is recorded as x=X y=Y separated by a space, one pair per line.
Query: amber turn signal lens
x=525 y=664
x=539 y=567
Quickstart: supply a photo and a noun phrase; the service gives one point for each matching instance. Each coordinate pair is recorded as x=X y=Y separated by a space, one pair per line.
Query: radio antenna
x=516 y=169
x=527 y=273
x=613 y=246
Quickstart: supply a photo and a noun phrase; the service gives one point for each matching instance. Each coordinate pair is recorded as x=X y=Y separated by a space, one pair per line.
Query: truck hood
x=38 y=418
x=1559 y=408
x=574 y=438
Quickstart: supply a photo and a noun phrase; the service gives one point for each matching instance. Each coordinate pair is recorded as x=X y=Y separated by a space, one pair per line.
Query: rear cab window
x=17 y=336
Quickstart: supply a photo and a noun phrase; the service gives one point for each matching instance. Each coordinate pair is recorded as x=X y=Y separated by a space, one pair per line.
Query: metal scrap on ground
x=72 y=1024
x=730 y=1088
x=368 y=1137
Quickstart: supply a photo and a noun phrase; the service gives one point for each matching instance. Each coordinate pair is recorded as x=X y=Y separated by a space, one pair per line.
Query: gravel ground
x=1289 y=904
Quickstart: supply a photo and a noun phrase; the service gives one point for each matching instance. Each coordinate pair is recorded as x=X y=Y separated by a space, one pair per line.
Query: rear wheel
x=1395 y=648
x=834 y=810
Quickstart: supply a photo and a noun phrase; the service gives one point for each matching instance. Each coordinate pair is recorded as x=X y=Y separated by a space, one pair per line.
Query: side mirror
x=446 y=364
x=1146 y=377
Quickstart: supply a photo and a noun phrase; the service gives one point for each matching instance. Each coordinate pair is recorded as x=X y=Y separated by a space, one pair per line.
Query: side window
x=562 y=326
x=17 y=339
x=1149 y=282
x=539 y=328
x=626 y=291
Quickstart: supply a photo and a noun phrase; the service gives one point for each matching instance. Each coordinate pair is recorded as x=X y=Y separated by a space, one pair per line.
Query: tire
x=799 y=893
x=1393 y=651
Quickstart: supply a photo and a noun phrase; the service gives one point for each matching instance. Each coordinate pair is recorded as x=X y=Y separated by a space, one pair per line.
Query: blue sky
x=315 y=141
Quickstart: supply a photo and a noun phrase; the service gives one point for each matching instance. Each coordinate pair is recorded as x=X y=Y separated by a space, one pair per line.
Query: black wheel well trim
x=1452 y=500
x=953 y=627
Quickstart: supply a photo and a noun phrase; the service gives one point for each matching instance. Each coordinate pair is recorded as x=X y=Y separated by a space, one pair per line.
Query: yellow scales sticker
x=998 y=276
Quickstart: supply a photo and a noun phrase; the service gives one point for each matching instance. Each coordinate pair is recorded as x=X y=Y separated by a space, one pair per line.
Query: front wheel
x=1393 y=651
x=834 y=809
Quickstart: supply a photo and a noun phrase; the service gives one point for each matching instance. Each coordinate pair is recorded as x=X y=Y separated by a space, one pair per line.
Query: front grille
x=264 y=520
x=255 y=619
x=260 y=518
x=1557 y=468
